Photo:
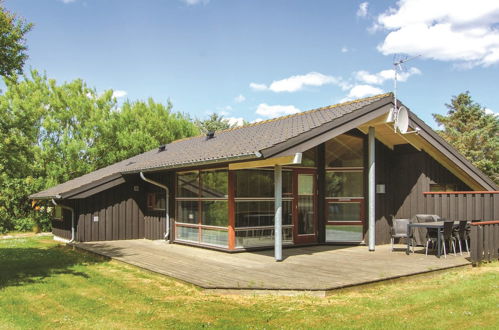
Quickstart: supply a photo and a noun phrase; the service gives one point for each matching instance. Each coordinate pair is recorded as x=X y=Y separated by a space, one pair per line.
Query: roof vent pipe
x=167 y=211
x=162 y=148
x=210 y=135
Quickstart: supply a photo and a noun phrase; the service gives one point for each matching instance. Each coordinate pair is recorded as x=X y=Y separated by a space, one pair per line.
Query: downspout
x=167 y=191
x=72 y=217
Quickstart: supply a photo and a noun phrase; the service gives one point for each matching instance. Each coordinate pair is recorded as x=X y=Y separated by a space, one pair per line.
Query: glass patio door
x=304 y=208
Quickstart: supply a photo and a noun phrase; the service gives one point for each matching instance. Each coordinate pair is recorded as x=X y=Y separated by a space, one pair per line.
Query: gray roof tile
x=231 y=143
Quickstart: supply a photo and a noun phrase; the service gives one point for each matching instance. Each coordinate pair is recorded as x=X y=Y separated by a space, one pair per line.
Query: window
x=254 y=209
x=58 y=213
x=344 y=183
x=344 y=189
x=443 y=187
x=345 y=151
x=260 y=183
x=309 y=158
x=156 y=201
x=202 y=209
x=188 y=184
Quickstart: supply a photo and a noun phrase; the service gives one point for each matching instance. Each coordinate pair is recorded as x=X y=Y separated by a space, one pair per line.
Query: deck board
x=306 y=268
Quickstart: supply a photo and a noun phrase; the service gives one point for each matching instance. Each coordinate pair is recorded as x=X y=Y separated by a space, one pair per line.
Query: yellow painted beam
x=379 y=137
x=284 y=160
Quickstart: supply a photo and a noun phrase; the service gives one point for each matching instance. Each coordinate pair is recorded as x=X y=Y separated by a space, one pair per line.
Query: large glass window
x=214 y=213
x=214 y=184
x=202 y=209
x=260 y=183
x=188 y=212
x=345 y=151
x=344 y=188
x=344 y=183
x=309 y=158
x=260 y=213
x=188 y=184
x=254 y=211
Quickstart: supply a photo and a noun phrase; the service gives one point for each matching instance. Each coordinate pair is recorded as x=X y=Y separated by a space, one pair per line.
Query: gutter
x=72 y=216
x=167 y=211
x=194 y=163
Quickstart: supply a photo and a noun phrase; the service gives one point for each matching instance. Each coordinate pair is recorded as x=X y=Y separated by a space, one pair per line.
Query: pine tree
x=473 y=132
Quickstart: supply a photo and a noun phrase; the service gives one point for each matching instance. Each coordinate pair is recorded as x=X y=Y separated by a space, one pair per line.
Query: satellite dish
x=402 y=120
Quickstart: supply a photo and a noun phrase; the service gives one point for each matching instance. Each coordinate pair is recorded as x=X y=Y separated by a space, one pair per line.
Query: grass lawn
x=44 y=284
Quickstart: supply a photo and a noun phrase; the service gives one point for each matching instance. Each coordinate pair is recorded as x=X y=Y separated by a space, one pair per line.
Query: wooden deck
x=314 y=268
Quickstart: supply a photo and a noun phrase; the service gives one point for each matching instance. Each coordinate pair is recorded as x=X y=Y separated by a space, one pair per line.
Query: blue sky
x=259 y=59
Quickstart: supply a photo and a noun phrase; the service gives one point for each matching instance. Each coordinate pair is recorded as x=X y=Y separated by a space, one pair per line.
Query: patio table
x=438 y=225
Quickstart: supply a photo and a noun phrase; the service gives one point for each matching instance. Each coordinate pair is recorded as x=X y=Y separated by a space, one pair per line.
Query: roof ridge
x=293 y=115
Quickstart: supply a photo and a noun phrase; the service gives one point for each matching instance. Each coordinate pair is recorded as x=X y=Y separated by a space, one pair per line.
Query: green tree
x=473 y=132
x=140 y=126
x=51 y=133
x=215 y=122
x=12 y=42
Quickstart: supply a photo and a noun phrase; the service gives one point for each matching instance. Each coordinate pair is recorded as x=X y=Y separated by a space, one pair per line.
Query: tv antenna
x=399 y=116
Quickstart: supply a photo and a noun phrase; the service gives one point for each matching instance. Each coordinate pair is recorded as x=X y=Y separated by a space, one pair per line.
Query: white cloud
x=491 y=112
x=271 y=111
x=360 y=91
x=452 y=30
x=382 y=76
x=118 y=94
x=344 y=49
x=195 y=2
x=362 y=11
x=67 y=1
x=258 y=87
x=256 y=120
x=238 y=121
x=240 y=98
x=297 y=82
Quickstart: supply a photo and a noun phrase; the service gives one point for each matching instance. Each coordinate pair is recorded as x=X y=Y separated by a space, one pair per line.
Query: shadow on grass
x=21 y=265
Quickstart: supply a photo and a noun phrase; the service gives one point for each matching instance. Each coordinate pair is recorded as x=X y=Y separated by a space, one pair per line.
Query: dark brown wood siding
x=155 y=221
x=463 y=206
x=406 y=173
x=62 y=228
x=121 y=211
x=384 y=202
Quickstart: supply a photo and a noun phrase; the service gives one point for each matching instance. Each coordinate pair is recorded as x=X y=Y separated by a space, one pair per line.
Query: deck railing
x=484 y=241
x=463 y=205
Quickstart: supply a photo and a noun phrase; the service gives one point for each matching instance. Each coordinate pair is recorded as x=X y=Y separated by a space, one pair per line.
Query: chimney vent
x=162 y=148
x=210 y=135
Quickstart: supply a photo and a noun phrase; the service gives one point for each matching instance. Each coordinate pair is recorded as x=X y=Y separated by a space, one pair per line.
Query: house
x=333 y=175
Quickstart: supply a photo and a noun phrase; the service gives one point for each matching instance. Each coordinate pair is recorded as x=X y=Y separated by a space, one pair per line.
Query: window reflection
x=188 y=184
x=202 y=201
x=214 y=184
x=344 y=184
x=345 y=151
x=260 y=183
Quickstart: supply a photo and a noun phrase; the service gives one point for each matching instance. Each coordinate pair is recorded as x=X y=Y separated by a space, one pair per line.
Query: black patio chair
x=461 y=233
x=431 y=237
x=448 y=237
x=399 y=230
x=445 y=236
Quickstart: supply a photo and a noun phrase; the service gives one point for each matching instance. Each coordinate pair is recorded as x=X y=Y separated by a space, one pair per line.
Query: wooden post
x=474 y=244
x=232 y=211
x=278 y=212
x=372 y=189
